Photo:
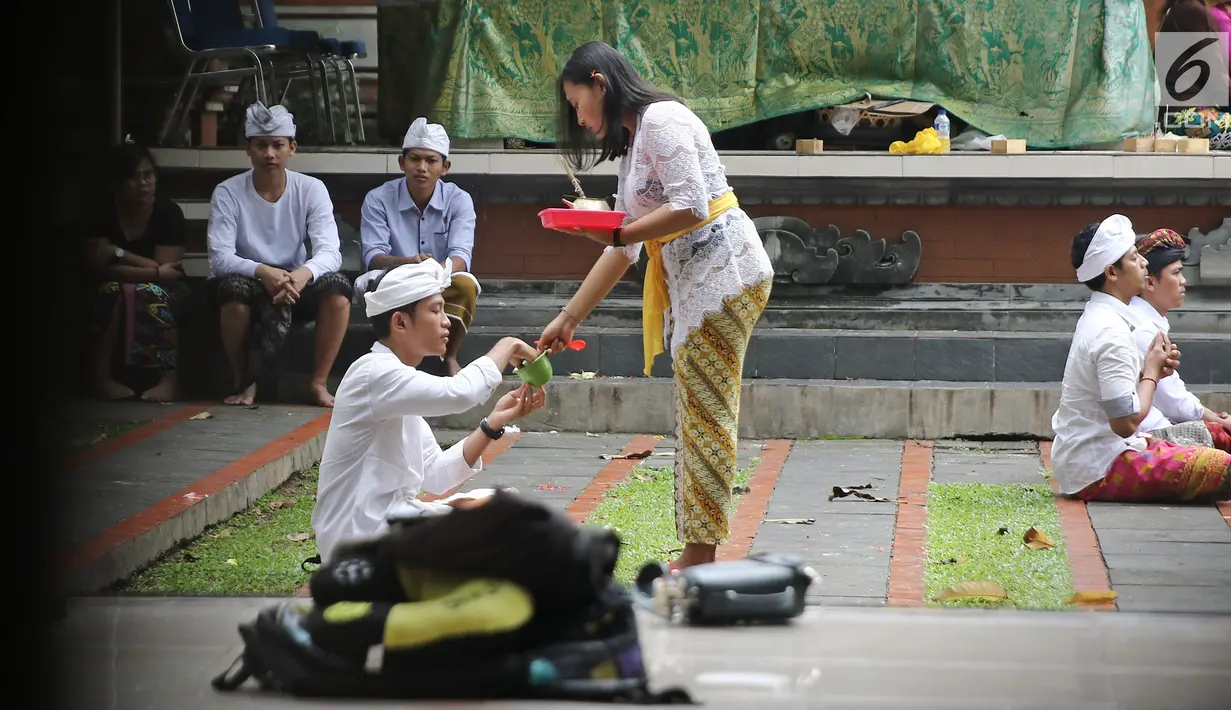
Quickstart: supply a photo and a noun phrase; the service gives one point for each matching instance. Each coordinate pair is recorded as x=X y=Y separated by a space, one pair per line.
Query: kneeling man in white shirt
x=380 y=452
x=1109 y=387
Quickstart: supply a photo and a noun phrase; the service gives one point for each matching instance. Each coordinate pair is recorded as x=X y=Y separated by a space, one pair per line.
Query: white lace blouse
x=672 y=161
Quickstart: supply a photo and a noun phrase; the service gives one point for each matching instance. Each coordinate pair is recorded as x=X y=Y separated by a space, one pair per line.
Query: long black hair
x=625 y=91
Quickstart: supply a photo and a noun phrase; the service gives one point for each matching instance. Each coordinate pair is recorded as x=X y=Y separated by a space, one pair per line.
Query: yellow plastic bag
x=925 y=142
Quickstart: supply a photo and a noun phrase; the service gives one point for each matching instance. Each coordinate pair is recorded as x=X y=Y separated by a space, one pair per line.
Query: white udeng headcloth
x=431 y=136
x=406 y=284
x=274 y=121
x=1112 y=240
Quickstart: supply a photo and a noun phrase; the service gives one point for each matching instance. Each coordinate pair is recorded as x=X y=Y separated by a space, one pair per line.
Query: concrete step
x=854 y=313
x=812 y=409
x=822 y=354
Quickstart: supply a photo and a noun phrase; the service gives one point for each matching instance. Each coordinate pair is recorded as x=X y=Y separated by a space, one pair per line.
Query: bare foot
x=244 y=398
x=695 y=554
x=320 y=395
x=452 y=366
x=167 y=389
x=110 y=389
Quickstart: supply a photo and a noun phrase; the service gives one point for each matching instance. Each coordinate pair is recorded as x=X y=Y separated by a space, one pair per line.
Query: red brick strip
x=103 y=449
x=494 y=449
x=611 y=476
x=750 y=511
x=168 y=508
x=1224 y=507
x=1085 y=558
x=910 y=529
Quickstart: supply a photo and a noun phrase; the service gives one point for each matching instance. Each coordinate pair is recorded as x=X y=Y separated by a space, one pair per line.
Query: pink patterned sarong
x=1164 y=472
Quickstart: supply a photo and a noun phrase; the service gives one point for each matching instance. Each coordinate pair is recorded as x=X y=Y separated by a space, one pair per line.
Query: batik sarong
x=147 y=322
x=708 y=372
x=271 y=322
x=1164 y=472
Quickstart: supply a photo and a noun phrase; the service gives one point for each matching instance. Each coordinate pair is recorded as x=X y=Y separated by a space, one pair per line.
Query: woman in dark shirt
x=135 y=241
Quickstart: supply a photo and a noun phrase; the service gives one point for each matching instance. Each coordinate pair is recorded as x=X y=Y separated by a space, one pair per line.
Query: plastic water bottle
x=942 y=129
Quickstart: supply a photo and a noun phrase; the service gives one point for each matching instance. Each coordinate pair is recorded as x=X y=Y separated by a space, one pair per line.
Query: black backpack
x=579 y=644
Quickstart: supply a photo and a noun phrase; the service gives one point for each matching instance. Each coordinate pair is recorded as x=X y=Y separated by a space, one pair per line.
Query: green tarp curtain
x=1057 y=73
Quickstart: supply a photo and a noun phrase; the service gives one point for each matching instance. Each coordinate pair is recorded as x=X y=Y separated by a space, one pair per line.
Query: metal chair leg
x=344 y=101
x=328 y=96
x=172 y=122
x=316 y=93
x=358 y=102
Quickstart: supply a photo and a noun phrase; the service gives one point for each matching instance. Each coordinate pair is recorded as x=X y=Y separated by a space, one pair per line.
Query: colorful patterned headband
x=1161 y=239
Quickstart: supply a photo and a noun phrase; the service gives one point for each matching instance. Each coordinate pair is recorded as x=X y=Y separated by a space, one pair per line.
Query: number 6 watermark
x=1192 y=68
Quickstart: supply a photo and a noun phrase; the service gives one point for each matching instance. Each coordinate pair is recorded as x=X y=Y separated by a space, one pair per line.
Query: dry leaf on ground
x=636 y=455
x=583 y=375
x=857 y=491
x=202 y=415
x=1035 y=539
x=792 y=521
x=1091 y=597
x=299 y=537
x=282 y=504
x=223 y=534
x=972 y=590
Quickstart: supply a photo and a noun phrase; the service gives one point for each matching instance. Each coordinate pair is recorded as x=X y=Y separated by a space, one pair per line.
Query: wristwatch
x=491 y=433
x=119 y=253
x=615 y=237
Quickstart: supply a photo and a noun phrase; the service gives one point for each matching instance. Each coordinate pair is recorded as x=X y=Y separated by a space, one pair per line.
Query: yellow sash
x=656 y=298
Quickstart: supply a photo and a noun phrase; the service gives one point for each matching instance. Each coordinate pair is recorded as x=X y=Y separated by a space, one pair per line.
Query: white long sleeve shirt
x=1100 y=384
x=380 y=453
x=1173 y=403
x=245 y=230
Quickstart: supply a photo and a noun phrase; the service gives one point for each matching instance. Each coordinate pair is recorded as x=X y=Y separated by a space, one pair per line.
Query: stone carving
x=792 y=247
x=1209 y=256
x=803 y=255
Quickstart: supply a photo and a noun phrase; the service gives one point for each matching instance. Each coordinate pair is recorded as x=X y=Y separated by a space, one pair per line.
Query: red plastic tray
x=568 y=218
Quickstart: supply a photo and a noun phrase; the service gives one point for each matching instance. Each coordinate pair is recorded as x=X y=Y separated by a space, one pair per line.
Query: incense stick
x=569 y=171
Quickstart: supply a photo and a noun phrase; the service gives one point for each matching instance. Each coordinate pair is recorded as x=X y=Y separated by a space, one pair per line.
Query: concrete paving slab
x=1167 y=548
x=1172 y=598
x=1123 y=536
x=102 y=493
x=985 y=465
x=139 y=653
x=977 y=445
x=1178 y=577
x=1166 y=563
x=843 y=542
x=1119 y=516
x=89 y=410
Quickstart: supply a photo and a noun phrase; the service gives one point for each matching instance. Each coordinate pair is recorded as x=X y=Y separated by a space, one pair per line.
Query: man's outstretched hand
x=516 y=404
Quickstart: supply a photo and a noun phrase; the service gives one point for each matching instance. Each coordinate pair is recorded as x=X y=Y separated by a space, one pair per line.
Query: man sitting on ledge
x=260 y=275
x=1177 y=415
x=419 y=217
x=380 y=452
x=1107 y=390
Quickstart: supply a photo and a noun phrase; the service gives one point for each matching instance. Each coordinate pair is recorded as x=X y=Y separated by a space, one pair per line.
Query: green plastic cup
x=535 y=373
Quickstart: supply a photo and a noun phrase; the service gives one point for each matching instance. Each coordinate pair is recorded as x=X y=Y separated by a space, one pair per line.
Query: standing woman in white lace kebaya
x=707 y=279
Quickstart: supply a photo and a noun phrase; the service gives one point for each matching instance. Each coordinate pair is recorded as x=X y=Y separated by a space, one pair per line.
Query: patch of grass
x=641 y=510
x=257 y=552
x=81 y=435
x=965 y=523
